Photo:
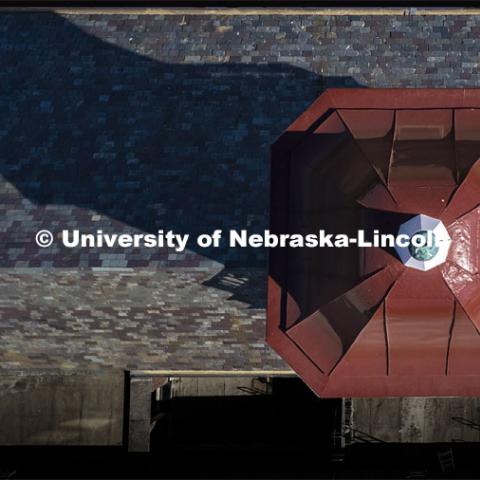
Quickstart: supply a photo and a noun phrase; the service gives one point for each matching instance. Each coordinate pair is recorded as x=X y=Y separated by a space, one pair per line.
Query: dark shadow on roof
x=96 y=136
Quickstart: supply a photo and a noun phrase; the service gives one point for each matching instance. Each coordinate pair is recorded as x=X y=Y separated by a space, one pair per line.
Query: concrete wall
x=61 y=408
x=415 y=419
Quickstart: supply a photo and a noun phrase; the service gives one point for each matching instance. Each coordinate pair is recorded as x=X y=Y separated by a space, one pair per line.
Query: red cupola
x=377 y=321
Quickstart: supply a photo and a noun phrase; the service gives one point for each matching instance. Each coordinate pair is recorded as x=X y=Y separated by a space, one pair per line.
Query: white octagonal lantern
x=425 y=257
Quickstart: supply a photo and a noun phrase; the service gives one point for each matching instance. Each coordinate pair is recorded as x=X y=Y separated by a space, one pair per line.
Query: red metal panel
x=419 y=314
x=318 y=275
x=329 y=158
x=321 y=143
x=289 y=351
x=373 y=132
x=467 y=140
x=465 y=198
x=369 y=351
x=465 y=286
x=318 y=339
x=379 y=197
x=464 y=351
x=374 y=259
x=422 y=168
x=328 y=333
x=464 y=233
x=404 y=98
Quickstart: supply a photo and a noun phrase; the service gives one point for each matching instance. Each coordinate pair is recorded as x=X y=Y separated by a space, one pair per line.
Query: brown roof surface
x=134 y=319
